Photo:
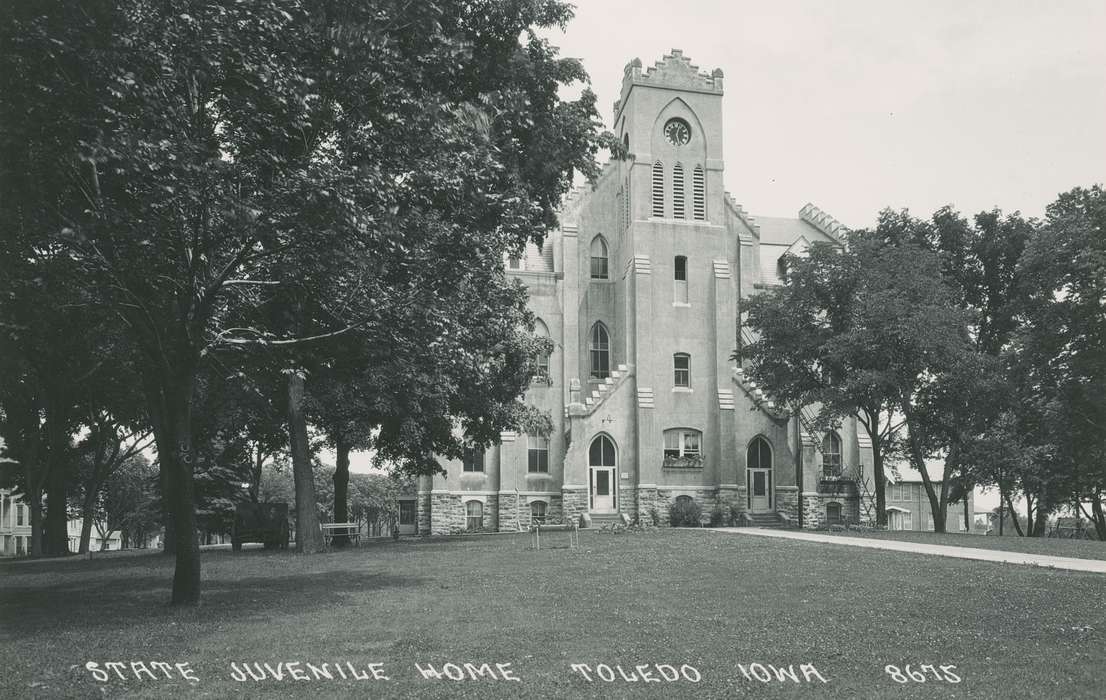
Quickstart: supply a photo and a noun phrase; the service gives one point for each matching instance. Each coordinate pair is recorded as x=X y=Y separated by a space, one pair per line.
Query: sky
x=858 y=105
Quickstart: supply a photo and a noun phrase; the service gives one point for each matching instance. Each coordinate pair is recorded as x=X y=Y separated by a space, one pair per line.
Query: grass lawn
x=707 y=600
x=1080 y=549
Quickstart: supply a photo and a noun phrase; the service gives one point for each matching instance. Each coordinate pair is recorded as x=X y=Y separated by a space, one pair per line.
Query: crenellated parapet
x=823 y=222
x=674 y=70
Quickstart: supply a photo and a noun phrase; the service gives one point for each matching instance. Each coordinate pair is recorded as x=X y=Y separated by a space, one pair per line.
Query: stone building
x=641 y=290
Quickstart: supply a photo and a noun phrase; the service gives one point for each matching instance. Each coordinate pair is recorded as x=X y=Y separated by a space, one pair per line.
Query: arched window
x=679 y=284
x=684 y=500
x=681 y=370
x=599 y=258
x=759 y=455
x=474 y=515
x=831 y=455
x=537 y=454
x=538 y=510
x=833 y=513
x=599 y=349
x=678 y=191
x=541 y=362
x=698 y=194
x=601 y=453
x=658 y=189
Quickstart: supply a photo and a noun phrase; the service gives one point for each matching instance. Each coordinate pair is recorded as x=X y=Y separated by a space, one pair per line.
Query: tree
x=858 y=331
x=128 y=504
x=221 y=156
x=1059 y=355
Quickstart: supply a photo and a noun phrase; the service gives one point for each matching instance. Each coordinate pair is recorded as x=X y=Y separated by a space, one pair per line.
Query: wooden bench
x=537 y=528
x=350 y=530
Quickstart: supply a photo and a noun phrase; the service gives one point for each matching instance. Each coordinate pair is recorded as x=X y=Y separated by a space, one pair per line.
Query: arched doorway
x=758 y=463
x=603 y=474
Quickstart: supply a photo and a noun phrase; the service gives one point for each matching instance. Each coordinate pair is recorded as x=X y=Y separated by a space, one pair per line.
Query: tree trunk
x=1040 y=524
x=34 y=504
x=57 y=509
x=341 y=488
x=1014 y=516
x=309 y=536
x=169 y=400
x=879 y=478
x=258 y=463
x=186 y=576
x=918 y=462
x=86 y=522
x=1001 y=507
x=1099 y=517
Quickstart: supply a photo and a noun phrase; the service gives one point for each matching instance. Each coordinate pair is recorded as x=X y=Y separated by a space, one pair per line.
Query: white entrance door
x=602 y=490
x=760 y=490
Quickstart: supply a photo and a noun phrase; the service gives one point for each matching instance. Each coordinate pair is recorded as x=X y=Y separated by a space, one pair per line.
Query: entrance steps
x=600 y=519
x=766 y=520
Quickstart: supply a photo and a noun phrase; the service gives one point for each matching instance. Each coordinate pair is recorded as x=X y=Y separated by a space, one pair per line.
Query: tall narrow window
x=698 y=194
x=474 y=514
x=599 y=347
x=678 y=192
x=679 y=280
x=599 y=266
x=831 y=455
x=658 y=189
x=537 y=512
x=472 y=459
x=537 y=454
x=681 y=369
x=541 y=362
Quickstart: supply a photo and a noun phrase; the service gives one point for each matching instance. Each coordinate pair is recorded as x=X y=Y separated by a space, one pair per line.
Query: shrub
x=684 y=512
x=735 y=515
x=717 y=517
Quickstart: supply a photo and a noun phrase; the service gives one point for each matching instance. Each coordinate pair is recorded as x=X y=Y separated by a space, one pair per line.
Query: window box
x=683 y=462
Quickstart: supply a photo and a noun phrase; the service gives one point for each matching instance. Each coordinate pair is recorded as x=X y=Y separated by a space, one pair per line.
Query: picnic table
x=349 y=530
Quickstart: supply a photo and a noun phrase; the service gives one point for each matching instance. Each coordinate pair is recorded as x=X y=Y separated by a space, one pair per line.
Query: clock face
x=677 y=132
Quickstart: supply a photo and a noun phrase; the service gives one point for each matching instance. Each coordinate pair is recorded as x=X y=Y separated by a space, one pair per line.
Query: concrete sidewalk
x=1005 y=557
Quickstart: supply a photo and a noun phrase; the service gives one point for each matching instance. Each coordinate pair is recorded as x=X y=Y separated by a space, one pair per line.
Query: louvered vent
x=678 y=192
x=658 y=189
x=699 y=194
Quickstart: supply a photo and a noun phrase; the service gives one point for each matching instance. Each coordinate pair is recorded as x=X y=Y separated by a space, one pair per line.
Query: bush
x=684 y=513
x=717 y=517
x=735 y=515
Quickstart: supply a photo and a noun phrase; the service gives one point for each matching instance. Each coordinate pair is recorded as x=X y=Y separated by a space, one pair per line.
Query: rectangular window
x=681 y=365
x=598 y=268
x=406 y=512
x=682 y=443
x=474 y=515
x=537 y=457
x=19 y=514
x=537 y=512
x=473 y=459
x=679 y=283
